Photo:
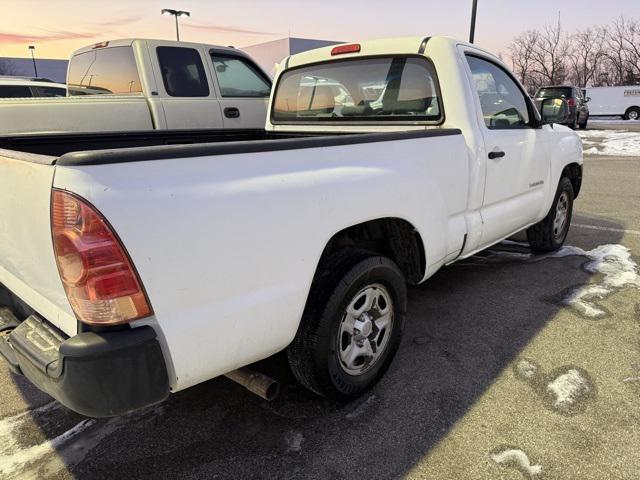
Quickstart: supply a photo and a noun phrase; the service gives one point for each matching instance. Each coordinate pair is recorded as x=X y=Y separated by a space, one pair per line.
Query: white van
x=619 y=101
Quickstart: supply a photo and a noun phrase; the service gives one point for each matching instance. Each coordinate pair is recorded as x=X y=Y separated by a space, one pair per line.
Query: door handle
x=496 y=154
x=231 y=112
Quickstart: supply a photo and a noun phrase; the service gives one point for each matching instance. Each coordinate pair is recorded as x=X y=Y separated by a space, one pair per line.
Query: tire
x=549 y=235
x=327 y=333
x=583 y=126
x=573 y=124
x=632 y=113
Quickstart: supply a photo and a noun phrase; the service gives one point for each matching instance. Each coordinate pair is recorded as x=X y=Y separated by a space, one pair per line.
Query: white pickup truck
x=139 y=85
x=131 y=272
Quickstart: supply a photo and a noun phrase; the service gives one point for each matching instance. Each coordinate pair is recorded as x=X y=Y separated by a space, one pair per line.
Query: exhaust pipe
x=255 y=382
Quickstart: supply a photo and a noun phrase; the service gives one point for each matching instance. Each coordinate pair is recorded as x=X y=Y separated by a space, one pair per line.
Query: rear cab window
x=389 y=89
x=183 y=73
x=555 y=92
x=103 y=71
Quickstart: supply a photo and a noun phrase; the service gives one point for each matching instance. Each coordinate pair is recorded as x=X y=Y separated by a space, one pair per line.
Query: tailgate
x=27 y=264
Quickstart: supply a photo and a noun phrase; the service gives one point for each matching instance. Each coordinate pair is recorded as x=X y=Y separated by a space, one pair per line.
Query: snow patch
x=568 y=388
x=13 y=457
x=614 y=261
x=517 y=458
x=610 y=142
x=526 y=368
x=616 y=120
x=618 y=268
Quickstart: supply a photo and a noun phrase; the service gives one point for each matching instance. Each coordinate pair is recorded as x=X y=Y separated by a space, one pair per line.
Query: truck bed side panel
x=227 y=245
x=95 y=113
x=27 y=263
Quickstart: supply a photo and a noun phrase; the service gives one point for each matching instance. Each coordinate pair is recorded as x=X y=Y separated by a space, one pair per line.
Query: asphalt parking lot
x=512 y=366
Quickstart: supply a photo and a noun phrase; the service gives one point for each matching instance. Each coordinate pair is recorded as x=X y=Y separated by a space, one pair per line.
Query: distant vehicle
x=142 y=85
x=578 y=109
x=23 y=87
x=129 y=273
x=619 y=101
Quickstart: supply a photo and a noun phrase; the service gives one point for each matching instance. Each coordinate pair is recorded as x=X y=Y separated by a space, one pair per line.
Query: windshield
x=369 y=89
x=554 y=93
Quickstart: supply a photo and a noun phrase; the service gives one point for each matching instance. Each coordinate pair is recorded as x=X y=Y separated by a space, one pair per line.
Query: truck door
x=243 y=87
x=189 y=99
x=517 y=165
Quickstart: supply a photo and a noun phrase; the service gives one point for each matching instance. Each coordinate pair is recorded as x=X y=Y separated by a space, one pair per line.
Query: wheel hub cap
x=562 y=212
x=365 y=329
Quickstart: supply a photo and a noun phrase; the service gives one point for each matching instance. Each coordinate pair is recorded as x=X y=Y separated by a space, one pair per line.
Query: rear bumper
x=95 y=374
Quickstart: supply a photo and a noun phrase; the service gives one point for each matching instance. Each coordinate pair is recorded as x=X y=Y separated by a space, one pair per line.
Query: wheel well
x=573 y=172
x=392 y=237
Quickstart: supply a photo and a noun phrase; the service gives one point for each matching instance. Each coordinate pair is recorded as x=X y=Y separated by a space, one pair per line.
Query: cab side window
x=503 y=103
x=237 y=77
x=183 y=72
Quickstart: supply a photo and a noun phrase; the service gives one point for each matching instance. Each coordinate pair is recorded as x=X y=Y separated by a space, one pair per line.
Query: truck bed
x=127 y=112
x=223 y=226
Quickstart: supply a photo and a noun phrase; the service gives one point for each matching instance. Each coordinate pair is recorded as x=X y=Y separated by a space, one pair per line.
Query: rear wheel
x=352 y=325
x=584 y=125
x=632 y=114
x=550 y=234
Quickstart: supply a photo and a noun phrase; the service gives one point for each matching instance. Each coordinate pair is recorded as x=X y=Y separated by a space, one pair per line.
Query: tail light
x=571 y=102
x=99 y=279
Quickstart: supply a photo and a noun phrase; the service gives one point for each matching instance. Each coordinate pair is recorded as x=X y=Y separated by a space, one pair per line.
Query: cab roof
x=127 y=42
x=383 y=46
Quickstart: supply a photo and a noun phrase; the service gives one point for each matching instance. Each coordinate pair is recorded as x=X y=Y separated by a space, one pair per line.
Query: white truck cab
x=138 y=85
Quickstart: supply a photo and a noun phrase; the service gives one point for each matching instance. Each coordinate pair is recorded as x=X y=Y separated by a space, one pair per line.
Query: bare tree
x=632 y=49
x=549 y=60
x=622 y=51
x=585 y=55
x=596 y=56
x=521 y=50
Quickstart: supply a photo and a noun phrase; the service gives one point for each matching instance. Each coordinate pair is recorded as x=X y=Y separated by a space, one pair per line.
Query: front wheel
x=352 y=325
x=550 y=234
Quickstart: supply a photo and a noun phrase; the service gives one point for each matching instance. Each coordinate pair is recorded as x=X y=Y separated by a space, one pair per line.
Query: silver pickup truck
x=134 y=85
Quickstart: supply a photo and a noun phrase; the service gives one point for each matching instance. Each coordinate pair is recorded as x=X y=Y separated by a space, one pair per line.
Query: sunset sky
x=57 y=27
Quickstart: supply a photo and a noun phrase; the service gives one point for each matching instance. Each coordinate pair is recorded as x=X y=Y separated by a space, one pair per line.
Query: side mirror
x=554 y=110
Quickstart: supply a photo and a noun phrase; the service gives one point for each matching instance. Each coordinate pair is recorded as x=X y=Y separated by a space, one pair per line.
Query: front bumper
x=95 y=374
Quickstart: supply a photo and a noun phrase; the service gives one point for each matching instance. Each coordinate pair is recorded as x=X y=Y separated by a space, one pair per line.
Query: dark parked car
x=578 y=109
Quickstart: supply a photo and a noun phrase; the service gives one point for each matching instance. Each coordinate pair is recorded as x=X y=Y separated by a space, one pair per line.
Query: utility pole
x=176 y=14
x=35 y=68
x=472 y=33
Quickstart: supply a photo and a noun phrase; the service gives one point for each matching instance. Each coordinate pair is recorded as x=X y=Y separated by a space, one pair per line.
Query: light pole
x=176 y=14
x=474 y=9
x=32 y=49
